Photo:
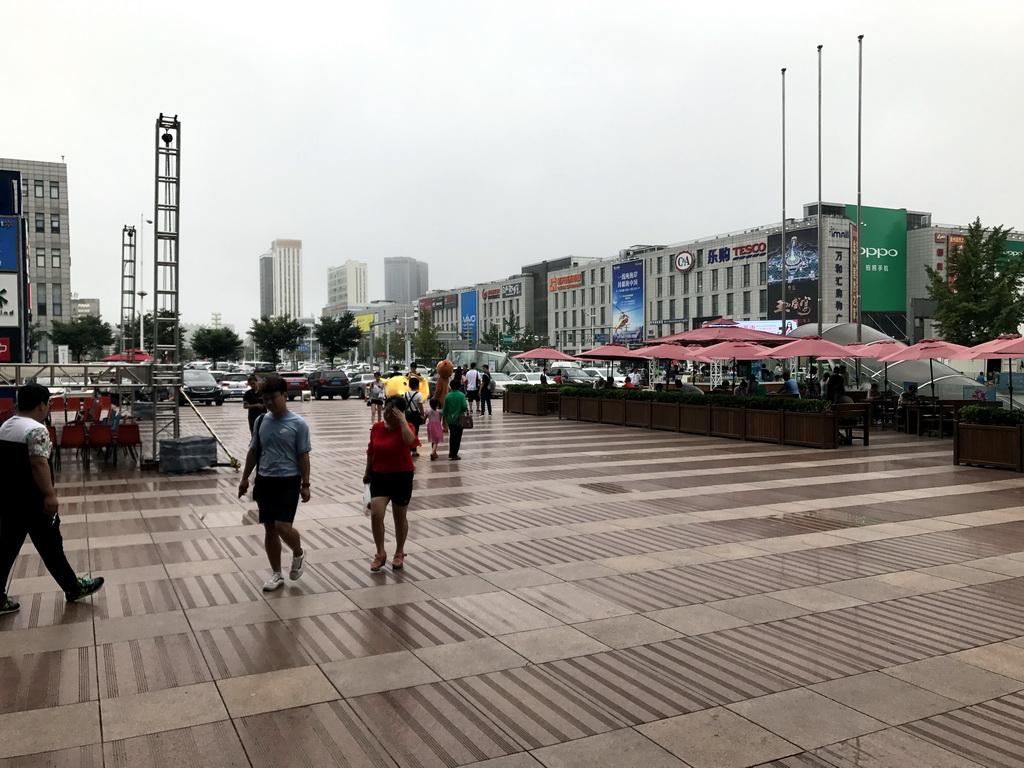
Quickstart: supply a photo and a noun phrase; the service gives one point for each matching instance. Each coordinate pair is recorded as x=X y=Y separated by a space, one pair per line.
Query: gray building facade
x=405 y=279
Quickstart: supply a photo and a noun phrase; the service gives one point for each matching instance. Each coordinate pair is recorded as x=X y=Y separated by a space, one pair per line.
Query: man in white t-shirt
x=29 y=504
x=473 y=386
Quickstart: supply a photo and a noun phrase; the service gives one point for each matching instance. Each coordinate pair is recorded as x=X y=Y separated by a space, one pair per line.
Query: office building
x=44 y=193
x=405 y=279
x=281 y=279
x=346 y=285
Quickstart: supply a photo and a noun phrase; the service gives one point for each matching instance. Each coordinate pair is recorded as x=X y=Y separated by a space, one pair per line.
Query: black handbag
x=466 y=420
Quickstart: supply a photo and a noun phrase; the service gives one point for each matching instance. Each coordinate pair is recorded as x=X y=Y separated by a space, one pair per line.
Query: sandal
x=433 y=457
x=398 y=561
x=378 y=562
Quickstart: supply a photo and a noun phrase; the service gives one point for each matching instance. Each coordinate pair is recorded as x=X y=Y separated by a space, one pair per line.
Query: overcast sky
x=482 y=136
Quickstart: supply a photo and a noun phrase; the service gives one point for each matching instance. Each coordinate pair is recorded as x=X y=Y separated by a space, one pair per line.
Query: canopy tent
x=613 y=352
x=673 y=351
x=812 y=346
x=716 y=333
x=129 y=356
x=543 y=353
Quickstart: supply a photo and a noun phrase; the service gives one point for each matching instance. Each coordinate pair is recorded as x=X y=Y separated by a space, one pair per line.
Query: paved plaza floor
x=575 y=595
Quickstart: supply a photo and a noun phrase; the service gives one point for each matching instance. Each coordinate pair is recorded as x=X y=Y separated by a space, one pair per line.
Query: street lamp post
x=408 y=341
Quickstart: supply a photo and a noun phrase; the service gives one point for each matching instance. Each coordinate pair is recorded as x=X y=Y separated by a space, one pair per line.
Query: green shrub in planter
x=993 y=417
x=526 y=389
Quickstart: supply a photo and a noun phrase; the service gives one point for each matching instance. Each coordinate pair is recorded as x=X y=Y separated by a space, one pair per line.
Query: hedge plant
x=995 y=417
x=719 y=400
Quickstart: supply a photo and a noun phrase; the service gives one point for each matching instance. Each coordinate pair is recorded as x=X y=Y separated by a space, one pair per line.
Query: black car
x=201 y=387
x=328 y=382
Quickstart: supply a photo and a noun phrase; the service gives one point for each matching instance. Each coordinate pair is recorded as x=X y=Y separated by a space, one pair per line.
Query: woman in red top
x=389 y=471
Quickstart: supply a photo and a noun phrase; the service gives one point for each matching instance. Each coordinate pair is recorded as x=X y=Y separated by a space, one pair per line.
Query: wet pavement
x=574 y=595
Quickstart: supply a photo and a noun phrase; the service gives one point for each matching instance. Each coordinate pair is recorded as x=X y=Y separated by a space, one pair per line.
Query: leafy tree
x=522 y=338
x=272 y=334
x=216 y=343
x=337 y=335
x=978 y=296
x=82 y=335
x=166 y=331
x=425 y=343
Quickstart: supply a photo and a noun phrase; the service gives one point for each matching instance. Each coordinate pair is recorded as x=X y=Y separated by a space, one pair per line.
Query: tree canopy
x=272 y=334
x=522 y=338
x=978 y=295
x=166 y=332
x=82 y=335
x=216 y=343
x=336 y=335
x=425 y=343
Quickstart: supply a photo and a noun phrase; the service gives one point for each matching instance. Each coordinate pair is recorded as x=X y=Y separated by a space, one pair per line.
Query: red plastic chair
x=71 y=404
x=57 y=406
x=101 y=436
x=72 y=436
x=128 y=438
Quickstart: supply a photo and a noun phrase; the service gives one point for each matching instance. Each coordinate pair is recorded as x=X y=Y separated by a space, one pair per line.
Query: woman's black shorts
x=277 y=498
x=397 y=486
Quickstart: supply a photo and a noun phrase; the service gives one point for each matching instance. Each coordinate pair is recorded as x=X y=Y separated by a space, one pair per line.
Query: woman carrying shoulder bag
x=455 y=405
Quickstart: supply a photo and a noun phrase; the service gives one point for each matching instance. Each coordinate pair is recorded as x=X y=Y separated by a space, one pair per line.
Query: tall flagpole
x=821 y=218
x=782 y=244
x=860 y=234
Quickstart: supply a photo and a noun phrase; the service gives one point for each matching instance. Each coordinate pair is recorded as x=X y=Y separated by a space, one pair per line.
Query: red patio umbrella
x=928 y=349
x=1005 y=347
x=735 y=349
x=672 y=351
x=888 y=345
x=713 y=334
x=613 y=352
x=811 y=346
x=543 y=353
x=129 y=356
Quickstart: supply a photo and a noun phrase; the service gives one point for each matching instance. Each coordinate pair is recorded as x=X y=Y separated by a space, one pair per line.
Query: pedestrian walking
x=252 y=402
x=454 y=406
x=279 y=452
x=29 y=507
x=486 y=391
x=414 y=409
x=473 y=386
x=435 y=431
x=375 y=398
x=389 y=473
x=458 y=382
x=544 y=377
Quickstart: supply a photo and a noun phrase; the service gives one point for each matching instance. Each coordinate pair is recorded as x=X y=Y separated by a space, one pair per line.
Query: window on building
x=54 y=190
x=659 y=265
x=762 y=273
x=660 y=315
x=24 y=187
x=55 y=223
x=686 y=283
x=671 y=285
x=763 y=300
x=39 y=188
x=56 y=307
x=574 y=299
x=700 y=258
x=730 y=307
x=602 y=274
x=700 y=306
x=700 y=282
x=40 y=291
x=40 y=222
x=602 y=294
x=556 y=320
x=603 y=318
x=728 y=277
x=593 y=272
x=41 y=258
x=593 y=296
x=686 y=308
x=565 y=318
x=714 y=304
x=746 y=302
x=55 y=258
x=574 y=318
x=659 y=286
x=714 y=279
x=746 y=275
x=671 y=309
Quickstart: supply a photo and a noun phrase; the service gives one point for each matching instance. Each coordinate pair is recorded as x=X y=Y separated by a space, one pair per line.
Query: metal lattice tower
x=167 y=365
x=127 y=289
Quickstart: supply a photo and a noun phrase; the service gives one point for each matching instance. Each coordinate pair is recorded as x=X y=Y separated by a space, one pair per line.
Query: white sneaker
x=297 y=564
x=276 y=582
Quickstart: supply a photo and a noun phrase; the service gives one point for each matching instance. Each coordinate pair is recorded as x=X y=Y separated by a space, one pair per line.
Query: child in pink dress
x=435 y=432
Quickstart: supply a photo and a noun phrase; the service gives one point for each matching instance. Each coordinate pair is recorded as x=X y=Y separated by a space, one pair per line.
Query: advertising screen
x=802 y=271
x=468 y=322
x=883 y=258
x=8 y=244
x=628 y=302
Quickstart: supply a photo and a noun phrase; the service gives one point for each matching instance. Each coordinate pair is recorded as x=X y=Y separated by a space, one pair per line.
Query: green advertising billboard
x=1013 y=249
x=883 y=258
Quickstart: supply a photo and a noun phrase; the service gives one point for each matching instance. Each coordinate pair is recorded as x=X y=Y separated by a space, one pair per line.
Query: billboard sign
x=801 y=264
x=883 y=258
x=737 y=252
x=511 y=290
x=363 y=322
x=565 y=282
x=424 y=305
x=628 y=302
x=468 y=321
x=10 y=307
x=8 y=244
x=490 y=293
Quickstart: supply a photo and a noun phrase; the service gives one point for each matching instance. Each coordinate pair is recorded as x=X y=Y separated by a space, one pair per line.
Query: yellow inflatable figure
x=445 y=369
x=399 y=385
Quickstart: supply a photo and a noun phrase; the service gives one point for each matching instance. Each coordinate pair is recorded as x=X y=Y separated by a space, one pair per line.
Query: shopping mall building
x=655 y=290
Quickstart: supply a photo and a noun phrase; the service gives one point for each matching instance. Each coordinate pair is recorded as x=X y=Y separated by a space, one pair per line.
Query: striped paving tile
x=988 y=733
x=118 y=600
x=250 y=649
x=216 y=589
x=150 y=664
x=426 y=624
x=45 y=609
x=50 y=679
x=432 y=725
x=215 y=744
x=90 y=756
x=349 y=635
x=191 y=550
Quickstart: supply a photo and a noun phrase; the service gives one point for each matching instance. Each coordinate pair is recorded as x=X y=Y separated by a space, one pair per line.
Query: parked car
x=604 y=373
x=296 y=381
x=359 y=385
x=329 y=382
x=234 y=384
x=201 y=387
x=500 y=380
x=570 y=375
x=527 y=378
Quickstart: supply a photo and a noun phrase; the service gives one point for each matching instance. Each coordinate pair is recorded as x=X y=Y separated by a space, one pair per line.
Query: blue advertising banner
x=628 y=302
x=8 y=245
x=468 y=323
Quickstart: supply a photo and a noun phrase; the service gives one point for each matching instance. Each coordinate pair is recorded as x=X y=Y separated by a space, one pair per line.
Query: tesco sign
x=684 y=261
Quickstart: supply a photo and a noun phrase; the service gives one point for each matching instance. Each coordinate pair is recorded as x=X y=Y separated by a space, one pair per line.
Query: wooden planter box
x=590 y=409
x=665 y=416
x=535 y=403
x=569 y=408
x=814 y=430
x=728 y=422
x=984 y=445
x=638 y=413
x=695 y=419
x=512 y=402
x=613 y=411
x=764 y=426
x=552 y=396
